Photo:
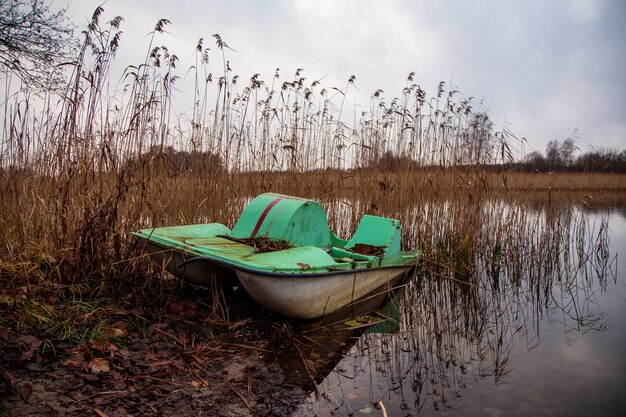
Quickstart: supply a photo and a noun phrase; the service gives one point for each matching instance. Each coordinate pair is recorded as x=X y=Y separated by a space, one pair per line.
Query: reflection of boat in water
x=316 y=347
x=285 y=256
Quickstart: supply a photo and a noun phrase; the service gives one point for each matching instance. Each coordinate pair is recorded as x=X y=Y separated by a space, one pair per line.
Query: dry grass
x=86 y=237
x=79 y=172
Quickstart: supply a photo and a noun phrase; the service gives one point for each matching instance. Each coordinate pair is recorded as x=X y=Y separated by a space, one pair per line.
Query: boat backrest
x=378 y=232
x=298 y=221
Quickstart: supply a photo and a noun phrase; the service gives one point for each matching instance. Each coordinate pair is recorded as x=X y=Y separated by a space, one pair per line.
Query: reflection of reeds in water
x=461 y=318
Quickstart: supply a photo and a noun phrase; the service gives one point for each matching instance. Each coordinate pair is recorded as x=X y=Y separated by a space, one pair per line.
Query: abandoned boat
x=282 y=252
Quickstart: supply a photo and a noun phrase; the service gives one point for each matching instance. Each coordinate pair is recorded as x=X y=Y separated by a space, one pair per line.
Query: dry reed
x=80 y=171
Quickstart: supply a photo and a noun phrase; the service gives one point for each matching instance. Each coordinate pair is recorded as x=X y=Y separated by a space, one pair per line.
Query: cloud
x=587 y=10
x=545 y=67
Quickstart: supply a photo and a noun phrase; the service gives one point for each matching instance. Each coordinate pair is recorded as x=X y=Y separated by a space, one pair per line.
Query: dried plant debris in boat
x=262 y=244
x=369 y=250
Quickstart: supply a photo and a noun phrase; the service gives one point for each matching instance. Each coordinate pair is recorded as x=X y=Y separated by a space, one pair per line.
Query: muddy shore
x=171 y=356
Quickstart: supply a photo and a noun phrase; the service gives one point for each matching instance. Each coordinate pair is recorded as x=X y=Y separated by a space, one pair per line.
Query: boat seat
x=376 y=232
x=339 y=253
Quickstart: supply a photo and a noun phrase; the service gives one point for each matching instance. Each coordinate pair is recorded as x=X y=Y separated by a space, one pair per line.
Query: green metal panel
x=378 y=232
x=299 y=221
x=336 y=241
x=178 y=236
x=401 y=258
x=296 y=259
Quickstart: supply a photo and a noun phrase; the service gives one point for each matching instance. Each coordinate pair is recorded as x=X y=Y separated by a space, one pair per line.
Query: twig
x=153 y=378
x=168 y=335
x=248 y=347
x=100 y=412
x=204 y=383
x=12 y=383
x=103 y=393
x=206 y=349
x=240 y=395
x=249 y=385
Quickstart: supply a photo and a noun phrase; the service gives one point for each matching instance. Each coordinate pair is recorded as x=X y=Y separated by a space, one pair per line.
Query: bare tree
x=567 y=152
x=552 y=154
x=34 y=42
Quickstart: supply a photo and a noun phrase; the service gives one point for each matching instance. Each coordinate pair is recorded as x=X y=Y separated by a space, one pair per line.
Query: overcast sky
x=544 y=67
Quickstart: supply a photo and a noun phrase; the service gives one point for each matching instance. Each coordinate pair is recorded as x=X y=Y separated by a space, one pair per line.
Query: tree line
x=560 y=157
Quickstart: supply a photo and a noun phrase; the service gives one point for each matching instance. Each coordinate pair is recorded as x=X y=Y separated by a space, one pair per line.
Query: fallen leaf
x=32 y=345
x=99 y=365
x=25 y=389
x=75 y=364
x=119 y=330
x=182 y=308
x=9 y=378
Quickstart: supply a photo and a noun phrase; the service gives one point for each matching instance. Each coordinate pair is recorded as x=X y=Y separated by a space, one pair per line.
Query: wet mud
x=176 y=362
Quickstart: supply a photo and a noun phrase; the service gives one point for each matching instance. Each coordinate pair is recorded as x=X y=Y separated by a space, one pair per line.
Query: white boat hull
x=309 y=297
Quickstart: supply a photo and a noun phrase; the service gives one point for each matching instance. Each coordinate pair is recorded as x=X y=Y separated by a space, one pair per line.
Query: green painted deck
x=300 y=229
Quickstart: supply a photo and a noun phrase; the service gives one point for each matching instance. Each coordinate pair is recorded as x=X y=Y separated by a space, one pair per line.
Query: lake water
x=552 y=345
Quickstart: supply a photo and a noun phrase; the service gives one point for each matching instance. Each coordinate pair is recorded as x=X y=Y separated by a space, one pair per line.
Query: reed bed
x=82 y=169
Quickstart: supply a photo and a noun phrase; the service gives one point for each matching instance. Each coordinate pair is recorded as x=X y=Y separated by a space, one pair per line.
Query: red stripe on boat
x=263 y=215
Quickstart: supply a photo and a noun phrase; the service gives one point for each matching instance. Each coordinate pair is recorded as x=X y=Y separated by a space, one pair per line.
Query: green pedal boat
x=284 y=255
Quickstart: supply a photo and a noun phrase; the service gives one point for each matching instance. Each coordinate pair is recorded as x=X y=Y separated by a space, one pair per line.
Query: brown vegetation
x=77 y=178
